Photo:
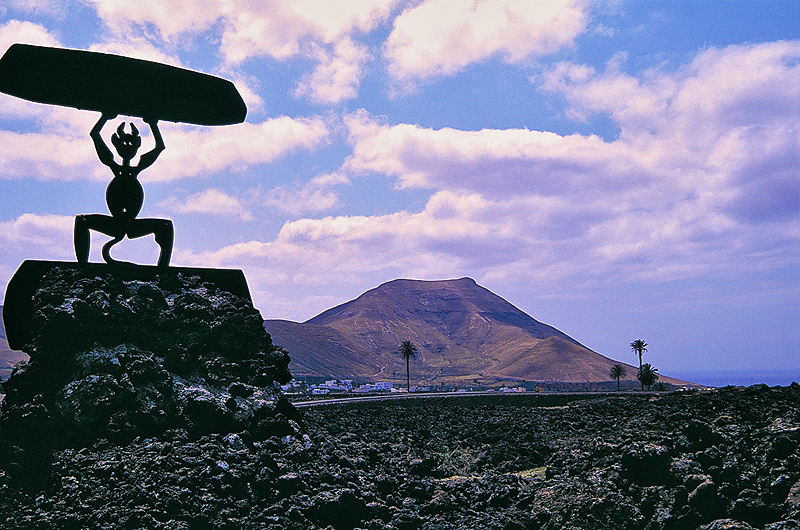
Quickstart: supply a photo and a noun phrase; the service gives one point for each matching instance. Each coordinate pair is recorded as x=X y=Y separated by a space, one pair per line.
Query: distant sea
x=719 y=378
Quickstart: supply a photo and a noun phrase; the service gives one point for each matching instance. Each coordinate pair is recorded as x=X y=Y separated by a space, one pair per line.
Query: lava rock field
x=713 y=460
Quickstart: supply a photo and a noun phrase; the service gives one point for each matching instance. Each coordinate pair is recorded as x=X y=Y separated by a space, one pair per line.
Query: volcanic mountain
x=464 y=333
x=8 y=357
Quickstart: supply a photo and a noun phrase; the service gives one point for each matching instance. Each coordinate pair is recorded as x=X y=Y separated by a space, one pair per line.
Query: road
x=386 y=397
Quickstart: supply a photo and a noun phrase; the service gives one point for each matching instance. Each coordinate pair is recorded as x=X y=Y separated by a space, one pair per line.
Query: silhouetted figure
x=124 y=195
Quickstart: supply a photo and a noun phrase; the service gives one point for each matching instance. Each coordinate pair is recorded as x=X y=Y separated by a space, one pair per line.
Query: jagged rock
x=793 y=497
x=353 y=467
x=704 y=498
x=116 y=359
x=343 y=509
x=647 y=464
x=700 y=435
x=726 y=524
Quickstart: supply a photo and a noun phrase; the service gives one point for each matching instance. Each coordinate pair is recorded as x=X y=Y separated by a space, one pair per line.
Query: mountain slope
x=8 y=357
x=464 y=332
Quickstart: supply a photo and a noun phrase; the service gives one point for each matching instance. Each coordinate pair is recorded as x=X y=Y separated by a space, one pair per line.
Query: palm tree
x=639 y=346
x=408 y=350
x=618 y=372
x=647 y=375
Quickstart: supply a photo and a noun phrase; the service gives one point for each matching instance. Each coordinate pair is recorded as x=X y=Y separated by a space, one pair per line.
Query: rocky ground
x=725 y=459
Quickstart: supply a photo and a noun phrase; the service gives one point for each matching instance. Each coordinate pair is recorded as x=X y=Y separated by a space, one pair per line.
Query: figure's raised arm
x=103 y=152
x=147 y=159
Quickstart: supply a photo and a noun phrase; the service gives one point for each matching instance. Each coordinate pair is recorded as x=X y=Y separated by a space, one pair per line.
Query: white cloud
x=700 y=182
x=212 y=202
x=282 y=29
x=314 y=196
x=138 y=47
x=17 y=31
x=50 y=7
x=729 y=145
x=48 y=236
x=320 y=31
x=492 y=161
x=47 y=157
x=170 y=18
x=192 y=151
x=27 y=33
x=337 y=75
x=442 y=37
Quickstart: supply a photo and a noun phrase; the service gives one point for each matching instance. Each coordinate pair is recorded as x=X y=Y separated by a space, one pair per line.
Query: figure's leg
x=101 y=223
x=82 y=239
x=162 y=230
x=107 y=249
x=165 y=237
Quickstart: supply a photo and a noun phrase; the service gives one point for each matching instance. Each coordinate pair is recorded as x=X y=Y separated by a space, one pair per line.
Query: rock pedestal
x=115 y=356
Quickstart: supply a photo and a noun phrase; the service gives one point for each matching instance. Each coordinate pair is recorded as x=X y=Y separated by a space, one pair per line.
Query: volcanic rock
x=116 y=359
x=528 y=461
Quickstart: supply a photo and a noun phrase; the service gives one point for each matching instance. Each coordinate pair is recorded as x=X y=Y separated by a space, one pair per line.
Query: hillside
x=8 y=357
x=464 y=332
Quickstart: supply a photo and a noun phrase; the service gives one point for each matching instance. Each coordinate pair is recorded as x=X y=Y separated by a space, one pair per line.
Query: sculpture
x=124 y=195
x=116 y=85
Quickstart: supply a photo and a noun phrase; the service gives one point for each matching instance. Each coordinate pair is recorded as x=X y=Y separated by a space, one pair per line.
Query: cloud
x=282 y=30
x=442 y=37
x=38 y=235
x=314 y=196
x=431 y=38
x=495 y=162
x=337 y=75
x=193 y=151
x=171 y=19
x=212 y=202
x=700 y=182
x=47 y=157
x=18 y=31
x=320 y=31
x=25 y=32
x=49 y=7
x=453 y=235
x=736 y=147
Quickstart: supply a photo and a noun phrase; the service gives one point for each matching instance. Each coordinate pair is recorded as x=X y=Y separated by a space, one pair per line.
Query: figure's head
x=126 y=143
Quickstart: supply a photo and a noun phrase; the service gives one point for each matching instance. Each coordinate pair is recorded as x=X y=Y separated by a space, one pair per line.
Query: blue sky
x=617 y=169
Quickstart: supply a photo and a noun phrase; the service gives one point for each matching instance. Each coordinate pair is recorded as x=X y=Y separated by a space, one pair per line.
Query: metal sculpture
x=124 y=195
x=116 y=85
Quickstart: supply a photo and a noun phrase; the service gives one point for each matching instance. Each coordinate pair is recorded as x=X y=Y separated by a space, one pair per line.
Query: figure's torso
x=124 y=195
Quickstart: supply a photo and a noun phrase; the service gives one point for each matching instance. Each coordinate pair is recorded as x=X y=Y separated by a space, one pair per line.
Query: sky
x=617 y=169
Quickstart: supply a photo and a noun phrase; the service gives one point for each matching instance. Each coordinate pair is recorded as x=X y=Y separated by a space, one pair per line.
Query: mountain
x=464 y=333
x=8 y=357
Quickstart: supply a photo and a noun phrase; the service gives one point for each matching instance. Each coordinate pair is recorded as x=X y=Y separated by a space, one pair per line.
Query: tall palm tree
x=618 y=372
x=408 y=350
x=647 y=375
x=639 y=346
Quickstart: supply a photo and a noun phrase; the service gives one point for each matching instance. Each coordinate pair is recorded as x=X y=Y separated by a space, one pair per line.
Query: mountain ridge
x=464 y=333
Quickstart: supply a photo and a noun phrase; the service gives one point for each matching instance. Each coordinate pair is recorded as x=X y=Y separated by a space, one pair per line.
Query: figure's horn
x=121 y=129
x=134 y=130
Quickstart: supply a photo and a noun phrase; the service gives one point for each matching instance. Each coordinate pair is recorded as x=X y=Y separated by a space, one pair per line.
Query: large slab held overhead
x=118 y=85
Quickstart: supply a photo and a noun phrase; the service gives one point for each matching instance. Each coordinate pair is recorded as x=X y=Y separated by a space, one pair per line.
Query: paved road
x=386 y=397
